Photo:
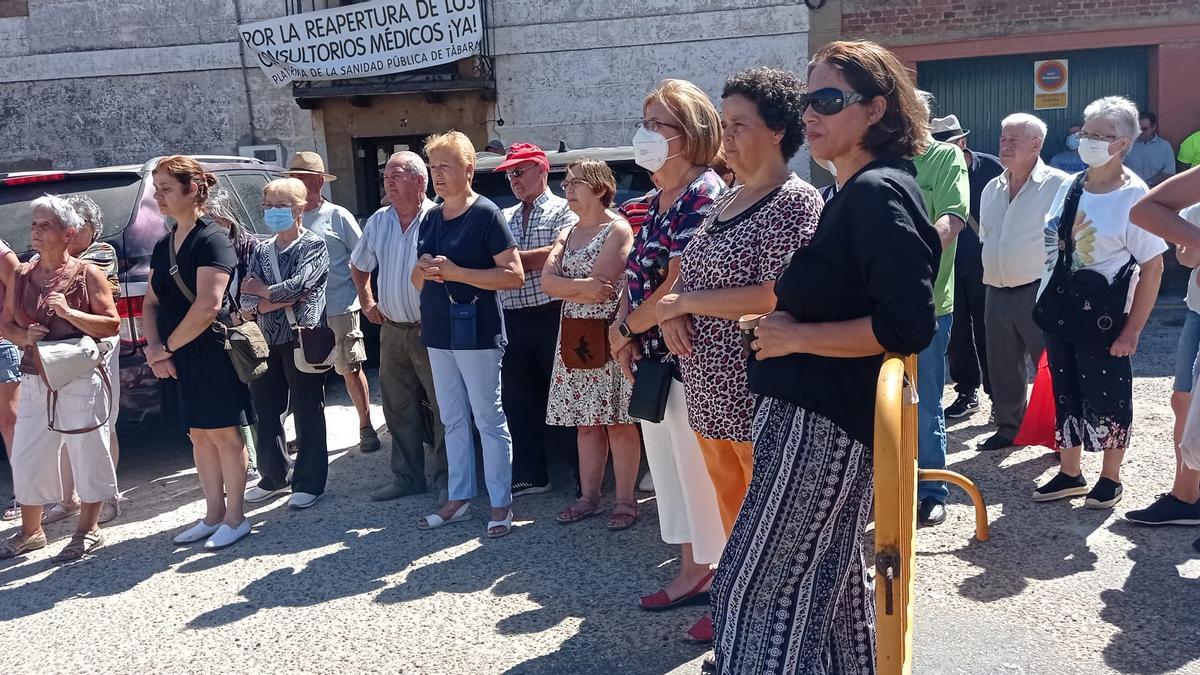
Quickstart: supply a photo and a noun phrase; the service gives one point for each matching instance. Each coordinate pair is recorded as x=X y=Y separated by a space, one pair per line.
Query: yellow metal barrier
x=896 y=478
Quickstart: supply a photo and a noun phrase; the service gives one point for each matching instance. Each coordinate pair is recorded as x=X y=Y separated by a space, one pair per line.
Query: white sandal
x=506 y=524
x=434 y=521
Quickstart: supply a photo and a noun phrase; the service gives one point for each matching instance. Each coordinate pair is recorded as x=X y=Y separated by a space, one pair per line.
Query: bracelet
x=167 y=349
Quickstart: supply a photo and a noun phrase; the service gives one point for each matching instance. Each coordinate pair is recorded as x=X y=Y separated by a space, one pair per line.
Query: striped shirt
x=549 y=215
x=383 y=240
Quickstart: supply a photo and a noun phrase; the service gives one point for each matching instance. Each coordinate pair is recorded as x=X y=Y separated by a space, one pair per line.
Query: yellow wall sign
x=1050 y=84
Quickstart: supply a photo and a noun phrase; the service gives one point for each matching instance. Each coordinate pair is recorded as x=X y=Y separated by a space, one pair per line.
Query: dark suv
x=632 y=180
x=132 y=224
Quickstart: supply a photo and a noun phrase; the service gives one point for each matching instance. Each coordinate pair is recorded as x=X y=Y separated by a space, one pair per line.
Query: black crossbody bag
x=1082 y=306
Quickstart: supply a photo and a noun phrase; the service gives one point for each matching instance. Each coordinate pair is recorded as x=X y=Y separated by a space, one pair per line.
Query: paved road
x=352 y=586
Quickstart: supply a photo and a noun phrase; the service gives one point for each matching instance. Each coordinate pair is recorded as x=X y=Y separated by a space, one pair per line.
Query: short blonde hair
x=701 y=125
x=292 y=187
x=598 y=177
x=454 y=142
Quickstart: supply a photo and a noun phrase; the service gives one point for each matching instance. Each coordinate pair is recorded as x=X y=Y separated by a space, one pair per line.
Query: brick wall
x=900 y=22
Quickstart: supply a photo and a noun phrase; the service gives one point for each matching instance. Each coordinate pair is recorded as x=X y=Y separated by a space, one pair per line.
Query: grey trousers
x=406 y=381
x=1011 y=336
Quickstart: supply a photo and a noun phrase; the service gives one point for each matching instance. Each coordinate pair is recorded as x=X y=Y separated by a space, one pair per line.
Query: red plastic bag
x=1038 y=426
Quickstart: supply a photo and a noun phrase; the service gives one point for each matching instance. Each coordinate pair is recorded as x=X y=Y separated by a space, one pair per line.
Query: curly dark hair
x=776 y=95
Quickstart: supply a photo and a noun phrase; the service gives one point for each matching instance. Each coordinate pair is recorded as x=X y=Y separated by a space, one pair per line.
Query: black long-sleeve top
x=875 y=255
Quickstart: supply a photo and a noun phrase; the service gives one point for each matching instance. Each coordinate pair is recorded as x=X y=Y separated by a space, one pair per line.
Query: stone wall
x=87 y=83
x=578 y=71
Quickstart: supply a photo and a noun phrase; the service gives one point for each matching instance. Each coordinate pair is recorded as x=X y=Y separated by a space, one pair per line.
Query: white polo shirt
x=1012 y=232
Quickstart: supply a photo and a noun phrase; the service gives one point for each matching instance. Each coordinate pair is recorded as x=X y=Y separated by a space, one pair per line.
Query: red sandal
x=702 y=631
x=584 y=508
x=660 y=601
x=623 y=520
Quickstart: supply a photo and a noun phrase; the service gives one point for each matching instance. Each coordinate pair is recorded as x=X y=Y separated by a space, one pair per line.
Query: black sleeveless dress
x=207 y=393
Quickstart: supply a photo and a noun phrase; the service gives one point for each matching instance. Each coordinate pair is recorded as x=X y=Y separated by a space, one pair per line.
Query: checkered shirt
x=550 y=214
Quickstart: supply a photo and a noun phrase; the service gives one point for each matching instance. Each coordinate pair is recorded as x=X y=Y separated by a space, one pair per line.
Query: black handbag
x=1082 y=305
x=651 y=385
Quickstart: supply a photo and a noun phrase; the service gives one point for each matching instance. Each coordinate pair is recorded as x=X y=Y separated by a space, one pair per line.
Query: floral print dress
x=596 y=397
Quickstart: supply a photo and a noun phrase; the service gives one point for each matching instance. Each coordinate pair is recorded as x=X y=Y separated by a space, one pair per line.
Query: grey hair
x=66 y=214
x=89 y=212
x=927 y=101
x=1028 y=121
x=1116 y=109
x=220 y=204
x=412 y=163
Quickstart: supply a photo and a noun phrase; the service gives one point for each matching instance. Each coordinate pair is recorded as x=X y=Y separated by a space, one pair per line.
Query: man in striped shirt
x=531 y=321
x=389 y=246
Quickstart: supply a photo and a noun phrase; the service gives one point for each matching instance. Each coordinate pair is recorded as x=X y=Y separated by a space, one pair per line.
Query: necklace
x=51 y=286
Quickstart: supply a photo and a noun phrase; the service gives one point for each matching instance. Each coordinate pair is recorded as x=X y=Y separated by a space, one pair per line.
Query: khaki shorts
x=350 y=350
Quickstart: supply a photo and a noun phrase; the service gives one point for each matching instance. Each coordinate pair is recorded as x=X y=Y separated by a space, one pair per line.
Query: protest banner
x=363 y=40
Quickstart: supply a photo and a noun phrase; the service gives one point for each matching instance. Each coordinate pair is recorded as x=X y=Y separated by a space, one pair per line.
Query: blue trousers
x=931 y=421
x=467 y=382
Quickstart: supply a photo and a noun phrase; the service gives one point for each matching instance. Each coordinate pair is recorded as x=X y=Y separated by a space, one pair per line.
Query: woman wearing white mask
x=285 y=288
x=678 y=137
x=1090 y=368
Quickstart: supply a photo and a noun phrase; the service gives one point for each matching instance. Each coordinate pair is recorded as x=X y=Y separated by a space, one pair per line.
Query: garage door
x=982 y=91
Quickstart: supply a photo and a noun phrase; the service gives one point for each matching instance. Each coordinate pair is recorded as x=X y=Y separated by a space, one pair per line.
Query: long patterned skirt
x=791 y=593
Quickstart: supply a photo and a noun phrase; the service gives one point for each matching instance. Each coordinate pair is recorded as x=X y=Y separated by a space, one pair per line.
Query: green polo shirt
x=942 y=175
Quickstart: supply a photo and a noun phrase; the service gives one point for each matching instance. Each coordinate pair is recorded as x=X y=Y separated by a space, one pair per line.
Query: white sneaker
x=227 y=536
x=201 y=530
x=252 y=477
x=302 y=500
x=256 y=494
x=647 y=483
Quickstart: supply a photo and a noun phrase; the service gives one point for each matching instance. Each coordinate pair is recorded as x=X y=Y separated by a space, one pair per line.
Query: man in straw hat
x=341 y=232
x=968 y=343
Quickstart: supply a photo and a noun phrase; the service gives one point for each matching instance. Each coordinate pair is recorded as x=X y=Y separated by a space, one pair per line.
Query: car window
x=632 y=181
x=115 y=195
x=249 y=189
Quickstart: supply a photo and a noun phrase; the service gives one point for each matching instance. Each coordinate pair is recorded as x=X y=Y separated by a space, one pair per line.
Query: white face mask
x=1094 y=153
x=650 y=149
x=828 y=165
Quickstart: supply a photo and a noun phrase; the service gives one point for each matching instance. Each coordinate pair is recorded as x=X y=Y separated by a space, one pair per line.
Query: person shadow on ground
x=1029 y=540
x=596 y=589
x=1162 y=638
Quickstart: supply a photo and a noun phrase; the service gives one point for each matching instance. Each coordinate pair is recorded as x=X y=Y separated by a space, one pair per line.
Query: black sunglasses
x=829 y=101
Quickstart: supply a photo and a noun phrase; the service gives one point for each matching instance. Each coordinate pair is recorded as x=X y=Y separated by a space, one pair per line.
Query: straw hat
x=311 y=163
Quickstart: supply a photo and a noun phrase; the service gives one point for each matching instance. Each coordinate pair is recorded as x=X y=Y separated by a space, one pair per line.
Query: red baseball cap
x=519 y=153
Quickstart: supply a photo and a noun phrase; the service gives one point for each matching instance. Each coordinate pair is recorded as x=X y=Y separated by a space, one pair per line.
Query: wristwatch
x=623 y=329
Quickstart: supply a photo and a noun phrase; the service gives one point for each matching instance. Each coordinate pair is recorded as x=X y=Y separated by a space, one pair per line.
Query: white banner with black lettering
x=362 y=40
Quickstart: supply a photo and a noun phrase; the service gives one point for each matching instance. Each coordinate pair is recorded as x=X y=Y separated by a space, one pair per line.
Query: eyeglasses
x=572 y=183
x=1095 y=137
x=829 y=101
x=516 y=173
x=655 y=125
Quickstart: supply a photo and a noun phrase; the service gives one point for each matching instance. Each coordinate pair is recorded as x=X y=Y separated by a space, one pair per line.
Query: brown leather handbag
x=584 y=343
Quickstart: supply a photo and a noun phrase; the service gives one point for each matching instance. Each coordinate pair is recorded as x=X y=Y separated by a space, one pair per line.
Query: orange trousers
x=730 y=465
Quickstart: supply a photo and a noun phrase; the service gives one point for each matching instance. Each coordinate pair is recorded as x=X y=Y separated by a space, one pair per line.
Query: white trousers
x=687 y=501
x=35 y=453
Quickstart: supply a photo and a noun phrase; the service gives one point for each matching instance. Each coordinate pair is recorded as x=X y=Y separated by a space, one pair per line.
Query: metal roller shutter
x=982 y=91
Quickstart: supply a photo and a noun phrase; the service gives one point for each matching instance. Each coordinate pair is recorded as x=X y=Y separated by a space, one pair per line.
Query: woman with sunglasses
x=863 y=286
x=729 y=270
x=679 y=135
